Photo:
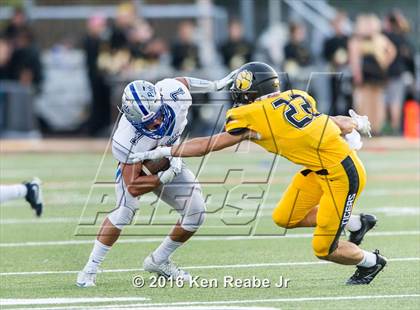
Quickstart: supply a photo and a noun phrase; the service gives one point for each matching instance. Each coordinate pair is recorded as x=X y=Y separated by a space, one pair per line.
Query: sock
x=354 y=223
x=96 y=257
x=369 y=259
x=10 y=192
x=164 y=250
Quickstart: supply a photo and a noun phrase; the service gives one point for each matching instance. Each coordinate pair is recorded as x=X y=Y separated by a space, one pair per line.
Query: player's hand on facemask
x=157 y=153
x=220 y=84
x=362 y=123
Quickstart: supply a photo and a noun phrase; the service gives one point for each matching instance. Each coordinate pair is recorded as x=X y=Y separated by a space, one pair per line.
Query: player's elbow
x=134 y=191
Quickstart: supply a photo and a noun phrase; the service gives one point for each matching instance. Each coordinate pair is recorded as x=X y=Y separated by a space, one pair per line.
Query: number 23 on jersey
x=298 y=111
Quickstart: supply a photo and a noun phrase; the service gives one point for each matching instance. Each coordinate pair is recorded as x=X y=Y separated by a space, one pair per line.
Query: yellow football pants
x=335 y=192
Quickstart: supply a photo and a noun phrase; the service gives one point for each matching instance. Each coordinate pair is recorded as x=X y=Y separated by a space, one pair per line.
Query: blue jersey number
x=174 y=95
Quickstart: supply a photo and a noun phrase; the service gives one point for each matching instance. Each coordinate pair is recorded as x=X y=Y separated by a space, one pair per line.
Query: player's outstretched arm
x=345 y=123
x=204 y=145
x=355 y=121
x=195 y=147
x=204 y=86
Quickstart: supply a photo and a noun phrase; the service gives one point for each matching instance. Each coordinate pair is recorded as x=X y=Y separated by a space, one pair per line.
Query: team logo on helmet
x=244 y=80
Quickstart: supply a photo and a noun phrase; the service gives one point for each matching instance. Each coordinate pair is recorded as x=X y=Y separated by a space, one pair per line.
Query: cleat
x=85 y=279
x=368 y=222
x=168 y=269
x=365 y=275
x=34 y=195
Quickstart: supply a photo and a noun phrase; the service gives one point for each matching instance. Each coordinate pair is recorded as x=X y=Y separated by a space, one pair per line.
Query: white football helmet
x=142 y=104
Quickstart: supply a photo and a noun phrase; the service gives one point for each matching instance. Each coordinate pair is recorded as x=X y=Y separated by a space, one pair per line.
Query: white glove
x=176 y=164
x=166 y=176
x=220 y=84
x=363 y=124
x=354 y=140
x=157 y=153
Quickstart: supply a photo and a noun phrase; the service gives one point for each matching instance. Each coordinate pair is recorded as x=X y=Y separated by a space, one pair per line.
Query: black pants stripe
x=353 y=177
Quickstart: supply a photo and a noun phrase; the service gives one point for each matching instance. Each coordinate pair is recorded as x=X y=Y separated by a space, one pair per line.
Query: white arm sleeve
x=200 y=86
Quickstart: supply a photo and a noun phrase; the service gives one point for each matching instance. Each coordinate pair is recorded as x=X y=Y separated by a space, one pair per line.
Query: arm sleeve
x=200 y=85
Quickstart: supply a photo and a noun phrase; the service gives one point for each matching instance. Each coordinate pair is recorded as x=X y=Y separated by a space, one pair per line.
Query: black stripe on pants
x=353 y=177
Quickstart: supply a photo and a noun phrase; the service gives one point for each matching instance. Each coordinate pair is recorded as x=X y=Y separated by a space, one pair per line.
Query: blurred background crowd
x=63 y=63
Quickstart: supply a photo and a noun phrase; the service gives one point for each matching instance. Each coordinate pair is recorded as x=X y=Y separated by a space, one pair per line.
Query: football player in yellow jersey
x=323 y=193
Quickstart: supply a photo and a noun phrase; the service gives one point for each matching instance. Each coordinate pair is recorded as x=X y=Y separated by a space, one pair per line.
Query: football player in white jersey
x=153 y=116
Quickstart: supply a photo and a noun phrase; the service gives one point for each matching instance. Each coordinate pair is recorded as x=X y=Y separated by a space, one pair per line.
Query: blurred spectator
x=296 y=51
x=5 y=54
x=25 y=62
x=124 y=21
x=270 y=45
x=396 y=28
x=336 y=54
x=17 y=23
x=297 y=59
x=95 y=42
x=184 y=51
x=145 y=47
x=236 y=51
x=370 y=54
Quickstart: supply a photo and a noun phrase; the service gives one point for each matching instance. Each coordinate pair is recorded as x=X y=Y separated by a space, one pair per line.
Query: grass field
x=41 y=257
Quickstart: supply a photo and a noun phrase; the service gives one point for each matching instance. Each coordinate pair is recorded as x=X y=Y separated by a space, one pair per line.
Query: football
x=152 y=167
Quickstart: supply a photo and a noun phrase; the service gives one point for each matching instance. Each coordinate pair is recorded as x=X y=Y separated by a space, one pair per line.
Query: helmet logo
x=243 y=80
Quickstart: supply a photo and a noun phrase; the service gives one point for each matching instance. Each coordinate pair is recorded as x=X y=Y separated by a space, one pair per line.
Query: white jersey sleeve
x=175 y=94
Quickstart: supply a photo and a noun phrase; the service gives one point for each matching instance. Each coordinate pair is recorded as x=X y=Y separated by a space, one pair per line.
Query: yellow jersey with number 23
x=289 y=125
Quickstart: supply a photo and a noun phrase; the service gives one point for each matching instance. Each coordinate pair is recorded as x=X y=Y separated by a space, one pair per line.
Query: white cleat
x=85 y=279
x=167 y=269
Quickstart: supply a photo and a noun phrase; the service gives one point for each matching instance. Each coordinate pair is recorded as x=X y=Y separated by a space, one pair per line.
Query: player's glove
x=166 y=176
x=176 y=164
x=205 y=86
x=362 y=123
x=220 y=84
x=157 y=153
x=354 y=140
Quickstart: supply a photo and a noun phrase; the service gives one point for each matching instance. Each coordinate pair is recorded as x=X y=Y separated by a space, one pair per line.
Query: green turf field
x=39 y=258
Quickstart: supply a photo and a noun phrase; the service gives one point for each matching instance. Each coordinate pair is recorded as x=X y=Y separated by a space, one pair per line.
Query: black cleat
x=365 y=275
x=34 y=195
x=368 y=222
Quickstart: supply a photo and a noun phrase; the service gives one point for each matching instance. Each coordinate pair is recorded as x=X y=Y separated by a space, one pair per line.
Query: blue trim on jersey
x=119 y=172
x=138 y=101
x=171 y=121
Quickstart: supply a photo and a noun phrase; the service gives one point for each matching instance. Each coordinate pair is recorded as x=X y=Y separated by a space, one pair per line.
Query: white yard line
x=387 y=210
x=182 y=307
x=235 y=266
x=75 y=199
x=243 y=301
x=69 y=300
x=198 y=238
x=269 y=300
